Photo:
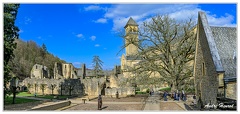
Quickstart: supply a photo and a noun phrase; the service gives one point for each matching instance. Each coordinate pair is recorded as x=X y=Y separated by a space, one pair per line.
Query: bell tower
x=131 y=37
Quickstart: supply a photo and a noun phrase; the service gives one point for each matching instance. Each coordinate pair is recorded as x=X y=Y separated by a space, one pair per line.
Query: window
x=203 y=69
x=36 y=66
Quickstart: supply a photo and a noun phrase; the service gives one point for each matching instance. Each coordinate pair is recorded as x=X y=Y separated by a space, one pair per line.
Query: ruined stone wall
x=65 y=71
x=123 y=92
x=94 y=86
x=39 y=71
x=231 y=90
x=76 y=86
x=58 y=71
x=114 y=81
x=204 y=69
x=68 y=71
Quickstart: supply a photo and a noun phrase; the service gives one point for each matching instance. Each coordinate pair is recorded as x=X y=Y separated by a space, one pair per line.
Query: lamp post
x=14 y=84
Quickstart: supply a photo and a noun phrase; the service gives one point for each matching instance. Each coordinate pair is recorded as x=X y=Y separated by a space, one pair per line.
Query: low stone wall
x=54 y=106
x=123 y=92
x=75 y=84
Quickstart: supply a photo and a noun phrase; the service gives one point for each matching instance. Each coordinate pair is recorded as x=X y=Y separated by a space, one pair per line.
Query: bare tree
x=43 y=87
x=166 y=48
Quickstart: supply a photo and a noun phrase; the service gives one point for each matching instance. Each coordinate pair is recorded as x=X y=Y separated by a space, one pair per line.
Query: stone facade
x=65 y=71
x=214 y=63
x=49 y=86
x=40 y=71
x=123 y=92
x=231 y=90
x=204 y=68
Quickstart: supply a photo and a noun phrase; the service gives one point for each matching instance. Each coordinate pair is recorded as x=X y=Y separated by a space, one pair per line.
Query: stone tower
x=131 y=37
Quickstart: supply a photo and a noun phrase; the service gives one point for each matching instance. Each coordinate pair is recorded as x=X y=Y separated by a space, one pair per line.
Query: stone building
x=65 y=71
x=213 y=59
x=40 y=71
x=226 y=42
x=54 y=86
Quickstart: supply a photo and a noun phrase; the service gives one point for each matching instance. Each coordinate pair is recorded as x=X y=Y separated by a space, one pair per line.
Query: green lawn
x=9 y=100
x=52 y=96
x=24 y=94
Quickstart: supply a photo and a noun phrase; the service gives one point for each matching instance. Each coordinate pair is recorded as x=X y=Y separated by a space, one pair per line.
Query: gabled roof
x=131 y=22
x=226 y=42
x=211 y=43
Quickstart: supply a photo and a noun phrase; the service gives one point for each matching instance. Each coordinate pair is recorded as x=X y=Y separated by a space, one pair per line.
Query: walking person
x=99 y=102
x=165 y=95
x=183 y=95
x=177 y=96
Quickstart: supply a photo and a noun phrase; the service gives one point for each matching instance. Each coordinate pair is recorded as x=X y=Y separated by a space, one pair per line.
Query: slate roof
x=131 y=22
x=90 y=72
x=226 y=42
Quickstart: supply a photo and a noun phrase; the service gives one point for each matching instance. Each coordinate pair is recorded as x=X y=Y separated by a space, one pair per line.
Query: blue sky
x=77 y=32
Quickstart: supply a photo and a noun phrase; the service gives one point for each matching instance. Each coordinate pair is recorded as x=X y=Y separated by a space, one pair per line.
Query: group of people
x=180 y=95
x=177 y=95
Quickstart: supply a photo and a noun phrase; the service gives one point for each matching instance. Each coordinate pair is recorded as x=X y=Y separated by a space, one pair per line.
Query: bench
x=84 y=99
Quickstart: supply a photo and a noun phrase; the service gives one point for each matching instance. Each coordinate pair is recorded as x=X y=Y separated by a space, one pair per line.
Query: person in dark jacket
x=165 y=94
x=99 y=102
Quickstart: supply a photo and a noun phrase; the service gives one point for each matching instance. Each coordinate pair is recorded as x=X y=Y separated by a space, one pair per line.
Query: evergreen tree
x=10 y=34
x=97 y=65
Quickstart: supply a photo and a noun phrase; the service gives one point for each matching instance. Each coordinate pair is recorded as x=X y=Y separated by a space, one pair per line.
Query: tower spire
x=131 y=22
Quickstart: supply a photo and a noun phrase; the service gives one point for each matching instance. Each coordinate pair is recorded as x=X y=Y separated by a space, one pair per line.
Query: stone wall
x=68 y=71
x=66 y=84
x=204 y=69
x=94 y=86
x=123 y=92
x=39 y=71
x=231 y=90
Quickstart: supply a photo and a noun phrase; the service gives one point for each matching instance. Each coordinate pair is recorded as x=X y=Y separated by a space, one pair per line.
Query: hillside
x=29 y=53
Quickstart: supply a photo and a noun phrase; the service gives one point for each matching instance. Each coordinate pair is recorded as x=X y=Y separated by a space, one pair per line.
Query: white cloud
x=221 y=21
x=93 y=38
x=94 y=8
x=96 y=45
x=101 y=20
x=79 y=35
x=120 y=13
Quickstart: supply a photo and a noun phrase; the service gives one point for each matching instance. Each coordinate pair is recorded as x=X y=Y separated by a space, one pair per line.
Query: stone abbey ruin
x=214 y=69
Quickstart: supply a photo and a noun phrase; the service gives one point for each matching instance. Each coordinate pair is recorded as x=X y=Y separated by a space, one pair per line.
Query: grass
x=9 y=100
x=25 y=94
x=52 y=96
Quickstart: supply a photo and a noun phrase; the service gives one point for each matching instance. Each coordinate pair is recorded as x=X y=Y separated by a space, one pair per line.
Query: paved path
x=152 y=103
